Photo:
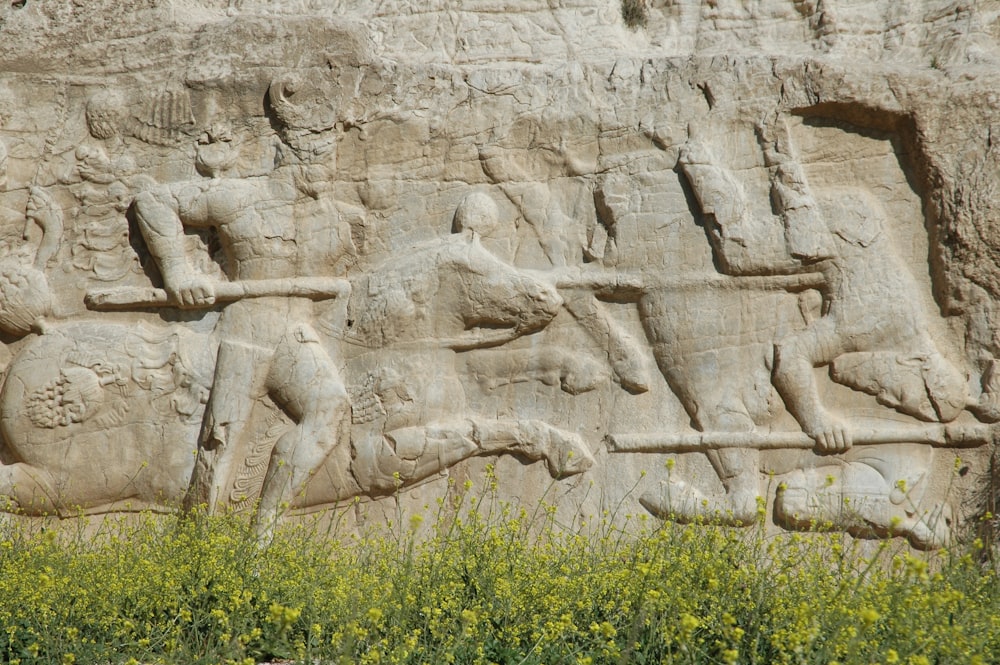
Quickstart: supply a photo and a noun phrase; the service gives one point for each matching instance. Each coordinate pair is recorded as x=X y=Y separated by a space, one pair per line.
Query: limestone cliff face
x=393 y=240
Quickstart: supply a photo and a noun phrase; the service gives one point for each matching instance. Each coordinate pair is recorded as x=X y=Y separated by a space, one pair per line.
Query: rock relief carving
x=103 y=192
x=562 y=243
x=550 y=365
x=269 y=347
x=306 y=366
x=25 y=298
x=137 y=390
x=870 y=331
x=93 y=412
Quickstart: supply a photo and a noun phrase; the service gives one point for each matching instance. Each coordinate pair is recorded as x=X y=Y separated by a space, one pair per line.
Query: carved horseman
x=717 y=358
x=268 y=346
x=871 y=331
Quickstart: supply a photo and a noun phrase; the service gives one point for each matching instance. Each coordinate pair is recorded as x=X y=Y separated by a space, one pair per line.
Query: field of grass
x=486 y=583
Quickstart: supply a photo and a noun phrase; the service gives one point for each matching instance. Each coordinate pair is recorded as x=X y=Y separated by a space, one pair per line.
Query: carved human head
x=300 y=103
x=478 y=214
x=216 y=153
x=306 y=113
x=105 y=110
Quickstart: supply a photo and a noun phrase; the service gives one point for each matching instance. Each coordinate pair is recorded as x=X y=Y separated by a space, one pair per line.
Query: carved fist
x=831 y=436
x=192 y=292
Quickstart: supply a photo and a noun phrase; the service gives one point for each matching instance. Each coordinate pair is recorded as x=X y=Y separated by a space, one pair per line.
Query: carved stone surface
x=722 y=258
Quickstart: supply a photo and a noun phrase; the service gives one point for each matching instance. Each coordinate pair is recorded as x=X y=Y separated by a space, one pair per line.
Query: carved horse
x=100 y=416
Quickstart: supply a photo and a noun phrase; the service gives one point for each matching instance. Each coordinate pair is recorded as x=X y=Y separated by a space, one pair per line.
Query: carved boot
x=565 y=453
x=678 y=501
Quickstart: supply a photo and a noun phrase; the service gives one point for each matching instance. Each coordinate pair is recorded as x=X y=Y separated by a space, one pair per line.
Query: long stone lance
x=939 y=435
x=314 y=288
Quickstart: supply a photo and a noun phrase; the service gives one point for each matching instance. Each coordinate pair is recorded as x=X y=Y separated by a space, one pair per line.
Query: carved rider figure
x=268 y=346
x=871 y=330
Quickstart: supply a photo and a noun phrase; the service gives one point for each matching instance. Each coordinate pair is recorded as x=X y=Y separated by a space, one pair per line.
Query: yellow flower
x=869 y=616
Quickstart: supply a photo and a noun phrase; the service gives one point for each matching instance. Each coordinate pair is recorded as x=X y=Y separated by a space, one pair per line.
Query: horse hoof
x=567 y=454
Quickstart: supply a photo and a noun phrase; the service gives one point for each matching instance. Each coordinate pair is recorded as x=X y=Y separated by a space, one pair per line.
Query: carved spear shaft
x=314 y=288
x=614 y=283
x=939 y=435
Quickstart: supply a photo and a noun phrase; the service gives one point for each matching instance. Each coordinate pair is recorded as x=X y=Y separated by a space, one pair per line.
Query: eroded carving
x=865 y=321
x=329 y=273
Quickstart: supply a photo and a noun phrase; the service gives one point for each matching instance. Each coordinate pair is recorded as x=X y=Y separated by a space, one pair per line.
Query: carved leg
x=409 y=454
x=795 y=356
x=737 y=468
x=305 y=382
x=240 y=375
x=565 y=453
x=623 y=354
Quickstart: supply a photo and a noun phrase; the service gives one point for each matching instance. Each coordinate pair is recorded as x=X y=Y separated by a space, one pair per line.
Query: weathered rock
x=700 y=259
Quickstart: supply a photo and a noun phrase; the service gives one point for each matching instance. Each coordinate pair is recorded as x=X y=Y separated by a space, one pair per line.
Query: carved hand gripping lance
x=314 y=288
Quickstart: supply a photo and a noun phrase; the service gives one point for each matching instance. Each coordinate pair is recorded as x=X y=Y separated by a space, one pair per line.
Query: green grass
x=485 y=583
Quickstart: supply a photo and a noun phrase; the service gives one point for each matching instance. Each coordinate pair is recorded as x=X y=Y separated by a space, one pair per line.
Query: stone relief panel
x=699 y=287
x=826 y=289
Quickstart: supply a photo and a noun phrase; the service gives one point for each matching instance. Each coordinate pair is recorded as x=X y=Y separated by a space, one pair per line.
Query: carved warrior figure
x=872 y=332
x=133 y=392
x=269 y=347
x=694 y=353
x=111 y=400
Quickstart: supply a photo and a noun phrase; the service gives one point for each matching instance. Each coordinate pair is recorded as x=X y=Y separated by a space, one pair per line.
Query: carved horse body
x=104 y=416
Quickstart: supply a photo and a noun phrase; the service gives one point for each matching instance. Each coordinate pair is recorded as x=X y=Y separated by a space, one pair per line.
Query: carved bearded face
x=104 y=114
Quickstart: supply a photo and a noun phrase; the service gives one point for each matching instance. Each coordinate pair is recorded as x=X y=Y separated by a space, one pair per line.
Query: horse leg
x=409 y=454
x=406 y=455
x=565 y=453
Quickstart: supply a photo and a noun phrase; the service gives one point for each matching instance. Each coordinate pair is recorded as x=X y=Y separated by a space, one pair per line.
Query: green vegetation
x=486 y=583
